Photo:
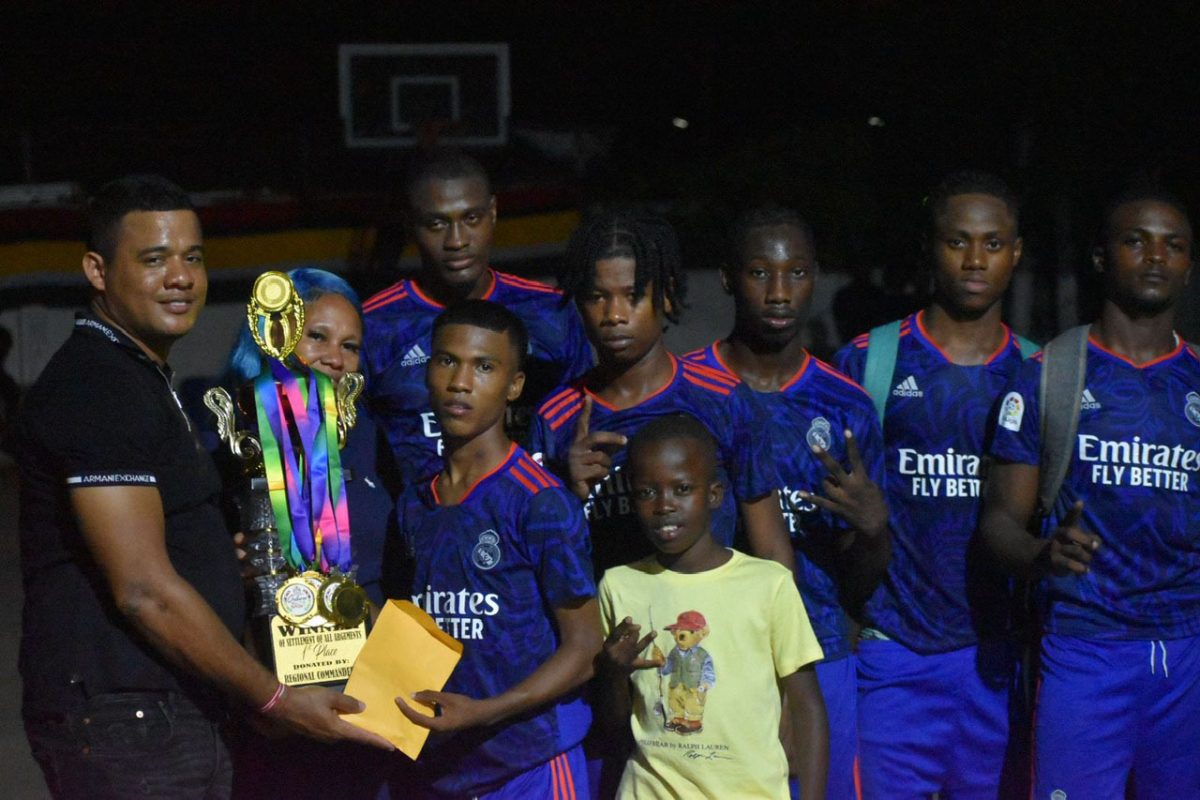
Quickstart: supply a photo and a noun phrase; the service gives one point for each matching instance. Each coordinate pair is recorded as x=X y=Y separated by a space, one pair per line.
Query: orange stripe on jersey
x=385 y=297
x=558 y=790
x=529 y=475
x=531 y=467
x=858 y=780
x=526 y=283
x=558 y=421
x=708 y=372
x=833 y=372
x=696 y=355
x=699 y=380
x=525 y=480
x=557 y=402
x=570 y=778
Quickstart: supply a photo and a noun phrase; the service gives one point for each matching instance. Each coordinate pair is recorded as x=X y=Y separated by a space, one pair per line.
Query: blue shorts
x=933 y=723
x=563 y=777
x=1110 y=709
x=839 y=689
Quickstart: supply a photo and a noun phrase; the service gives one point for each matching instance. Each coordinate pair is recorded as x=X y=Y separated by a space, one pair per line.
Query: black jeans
x=132 y=744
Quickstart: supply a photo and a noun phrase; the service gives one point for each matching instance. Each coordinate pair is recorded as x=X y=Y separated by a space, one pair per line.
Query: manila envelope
x=405 y=653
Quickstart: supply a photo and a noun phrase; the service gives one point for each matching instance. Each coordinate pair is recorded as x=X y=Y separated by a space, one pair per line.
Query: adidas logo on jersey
x=908 y=388
x=1088 y=403
x=414 y=357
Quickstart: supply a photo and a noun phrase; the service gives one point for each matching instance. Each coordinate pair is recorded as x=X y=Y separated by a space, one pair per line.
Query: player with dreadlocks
x=625 y=274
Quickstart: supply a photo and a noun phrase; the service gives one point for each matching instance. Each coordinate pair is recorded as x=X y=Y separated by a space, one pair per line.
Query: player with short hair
x=450 y=212
x=934 y=664
x=500 y=556
x=625 y=274
x=705 y=705
x=820 y=422
x=1118 y=559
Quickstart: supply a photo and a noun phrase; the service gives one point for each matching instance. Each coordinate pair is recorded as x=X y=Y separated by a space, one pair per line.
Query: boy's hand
x=851 y=495
x=623 y=647
x=589 y=458
x=451 y=712
x=1070 y=549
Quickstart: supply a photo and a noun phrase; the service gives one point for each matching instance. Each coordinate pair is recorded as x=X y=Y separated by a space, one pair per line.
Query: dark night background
x=1067 y=100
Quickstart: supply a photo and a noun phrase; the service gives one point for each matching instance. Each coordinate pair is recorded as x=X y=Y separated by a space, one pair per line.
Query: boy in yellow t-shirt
x=704 y=704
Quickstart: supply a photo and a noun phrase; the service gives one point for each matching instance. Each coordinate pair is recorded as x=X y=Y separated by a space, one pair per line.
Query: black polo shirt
x=102 y=413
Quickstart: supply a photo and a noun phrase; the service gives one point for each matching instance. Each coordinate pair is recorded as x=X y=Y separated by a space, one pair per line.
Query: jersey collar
x=504 y=463
x=1173 y=353
x=425 y=299
x=917 y=326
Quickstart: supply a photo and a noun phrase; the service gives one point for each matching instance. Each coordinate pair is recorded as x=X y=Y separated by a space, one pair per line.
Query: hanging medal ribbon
x=329 y=505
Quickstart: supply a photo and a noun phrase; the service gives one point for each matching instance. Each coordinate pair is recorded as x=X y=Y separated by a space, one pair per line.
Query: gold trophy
x=310 y=610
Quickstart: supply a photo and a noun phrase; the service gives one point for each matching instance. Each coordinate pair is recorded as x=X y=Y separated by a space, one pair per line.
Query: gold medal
x=275 y=315
x=296 y=599
x=342 y=601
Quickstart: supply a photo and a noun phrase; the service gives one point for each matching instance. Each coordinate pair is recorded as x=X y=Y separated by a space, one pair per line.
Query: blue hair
x=245 y=360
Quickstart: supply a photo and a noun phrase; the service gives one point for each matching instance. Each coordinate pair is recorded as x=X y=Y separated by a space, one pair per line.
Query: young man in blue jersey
x=1118 y=558
x=707 y=710
x=450 y=212
x=934 y=664
x=826 y=445
x=625 y=274
x=501 y=561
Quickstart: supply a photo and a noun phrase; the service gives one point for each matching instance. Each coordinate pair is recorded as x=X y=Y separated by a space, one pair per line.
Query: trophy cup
x=307 y=610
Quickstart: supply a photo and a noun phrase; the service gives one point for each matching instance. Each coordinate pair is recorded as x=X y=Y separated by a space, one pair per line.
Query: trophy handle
x=241 y=443
x=348 y=390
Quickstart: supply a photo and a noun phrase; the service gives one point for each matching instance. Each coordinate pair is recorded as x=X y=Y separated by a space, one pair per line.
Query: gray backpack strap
x=883 y=343
x=1060 y=393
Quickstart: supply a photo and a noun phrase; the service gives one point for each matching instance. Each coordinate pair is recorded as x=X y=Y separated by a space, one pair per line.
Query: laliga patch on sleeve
x=1011 y=411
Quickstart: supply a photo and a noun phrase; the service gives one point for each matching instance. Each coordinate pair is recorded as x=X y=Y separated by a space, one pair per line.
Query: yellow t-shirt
x=706 y=723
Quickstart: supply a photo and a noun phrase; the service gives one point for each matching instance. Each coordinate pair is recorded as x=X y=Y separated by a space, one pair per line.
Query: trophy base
x=322 y=654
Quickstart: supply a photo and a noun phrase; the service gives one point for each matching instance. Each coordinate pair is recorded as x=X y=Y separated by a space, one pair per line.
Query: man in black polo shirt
x=133 y=600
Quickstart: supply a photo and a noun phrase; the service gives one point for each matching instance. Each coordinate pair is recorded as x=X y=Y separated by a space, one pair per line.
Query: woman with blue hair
x=330 y=343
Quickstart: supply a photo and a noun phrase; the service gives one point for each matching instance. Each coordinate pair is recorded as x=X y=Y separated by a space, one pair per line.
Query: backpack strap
x=883 y=343
x=1027 y=346
x=1060 y=393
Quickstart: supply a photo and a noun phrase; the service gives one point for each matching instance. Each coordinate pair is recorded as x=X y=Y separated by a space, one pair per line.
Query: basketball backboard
x=389 y=93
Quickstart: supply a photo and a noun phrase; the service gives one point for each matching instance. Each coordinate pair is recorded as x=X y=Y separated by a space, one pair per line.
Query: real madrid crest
x=1192 y=409
x=487 y=550
x=818 y=434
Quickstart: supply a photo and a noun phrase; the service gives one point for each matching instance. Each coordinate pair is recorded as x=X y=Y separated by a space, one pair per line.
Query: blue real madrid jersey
x=811 y=410
x=490 y=570
x=721 y=402
x=397 y=342
x=1135 y=463
x=940 y=592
